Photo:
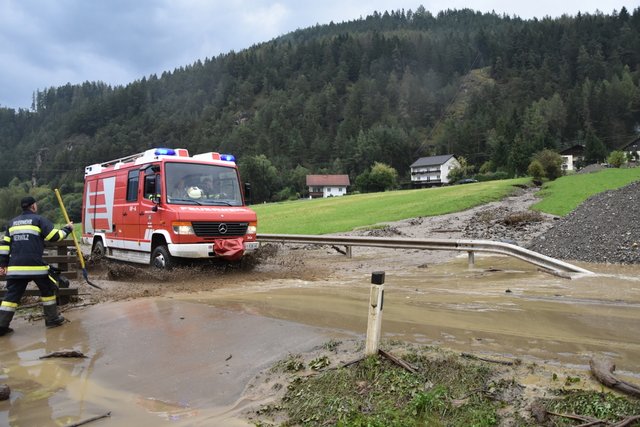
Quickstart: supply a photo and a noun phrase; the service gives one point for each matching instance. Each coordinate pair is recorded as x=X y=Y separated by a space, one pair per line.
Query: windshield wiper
x=190 y=201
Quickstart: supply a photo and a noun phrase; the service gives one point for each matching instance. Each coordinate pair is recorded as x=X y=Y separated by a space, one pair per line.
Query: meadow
x=340 y=214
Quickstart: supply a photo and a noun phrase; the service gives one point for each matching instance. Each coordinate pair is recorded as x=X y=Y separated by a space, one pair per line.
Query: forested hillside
x=336 y=98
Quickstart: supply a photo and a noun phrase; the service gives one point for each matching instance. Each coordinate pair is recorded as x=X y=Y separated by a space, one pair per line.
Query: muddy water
x=501 y=306
x=185 y=360
x=150 y=362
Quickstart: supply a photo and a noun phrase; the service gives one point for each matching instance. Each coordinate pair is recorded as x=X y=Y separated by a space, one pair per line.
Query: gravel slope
x=604 y=229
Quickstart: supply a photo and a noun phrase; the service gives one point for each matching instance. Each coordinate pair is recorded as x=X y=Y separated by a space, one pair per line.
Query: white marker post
x=376 y=301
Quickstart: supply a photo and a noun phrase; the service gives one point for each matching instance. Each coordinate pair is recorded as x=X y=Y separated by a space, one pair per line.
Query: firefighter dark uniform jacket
x=22 y=247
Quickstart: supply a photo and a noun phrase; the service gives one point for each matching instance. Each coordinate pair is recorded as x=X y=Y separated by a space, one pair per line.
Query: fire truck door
x=126 y=214
x=150 y=217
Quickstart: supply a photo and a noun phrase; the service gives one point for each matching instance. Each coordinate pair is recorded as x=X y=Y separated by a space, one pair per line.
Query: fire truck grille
x=220 y=229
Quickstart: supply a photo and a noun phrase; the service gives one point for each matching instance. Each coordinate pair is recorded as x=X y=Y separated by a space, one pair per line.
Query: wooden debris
x=603 y=369
x=108 y=414
x=627 y=421
x=588 y=421
x=64 y=353
x=339 y=250
x=352 y=362
x=484 y=359
x=397 y=361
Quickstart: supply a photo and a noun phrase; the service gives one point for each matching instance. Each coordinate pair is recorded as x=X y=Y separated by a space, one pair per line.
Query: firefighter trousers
x=16 y=287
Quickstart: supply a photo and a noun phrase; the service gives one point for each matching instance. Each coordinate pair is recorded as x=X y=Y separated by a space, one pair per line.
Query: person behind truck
x=21 y=251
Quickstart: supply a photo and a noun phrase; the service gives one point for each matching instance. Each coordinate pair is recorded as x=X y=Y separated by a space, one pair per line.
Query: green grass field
x=563 y=195
x=337 y=214
x=321 y=216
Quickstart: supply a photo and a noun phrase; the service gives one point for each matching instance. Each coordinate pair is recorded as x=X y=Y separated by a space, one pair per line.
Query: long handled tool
x=75 y=241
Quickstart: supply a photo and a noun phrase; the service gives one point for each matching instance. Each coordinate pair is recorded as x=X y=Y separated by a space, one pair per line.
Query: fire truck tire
x=161 y=258
x=98 y=251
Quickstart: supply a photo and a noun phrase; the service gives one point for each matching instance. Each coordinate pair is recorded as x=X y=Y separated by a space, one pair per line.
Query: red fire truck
x=162 y=205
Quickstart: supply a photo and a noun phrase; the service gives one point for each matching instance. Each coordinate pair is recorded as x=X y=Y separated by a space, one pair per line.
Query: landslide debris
x=603 y=229
x=507 y=224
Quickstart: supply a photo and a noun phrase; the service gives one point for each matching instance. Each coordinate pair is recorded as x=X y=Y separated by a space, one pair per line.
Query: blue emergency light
x=165 y=152
x=228 y=157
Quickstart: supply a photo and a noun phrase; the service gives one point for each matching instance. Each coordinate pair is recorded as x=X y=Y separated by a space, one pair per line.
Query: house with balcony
x=432 y=171
x=327 y=185
x=572 y=158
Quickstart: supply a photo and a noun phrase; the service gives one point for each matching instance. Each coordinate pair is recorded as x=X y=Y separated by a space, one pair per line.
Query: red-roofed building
x=327 y=185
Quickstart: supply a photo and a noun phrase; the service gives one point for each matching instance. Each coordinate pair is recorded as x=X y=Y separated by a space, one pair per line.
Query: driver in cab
x=181 y=190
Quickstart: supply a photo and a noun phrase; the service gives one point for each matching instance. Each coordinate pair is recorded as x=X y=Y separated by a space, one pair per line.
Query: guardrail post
x=472 y=259
x=349 y=254
x=376 y=301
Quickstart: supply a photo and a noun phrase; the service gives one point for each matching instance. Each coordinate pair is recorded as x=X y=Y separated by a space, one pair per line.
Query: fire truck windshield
x=202 y=184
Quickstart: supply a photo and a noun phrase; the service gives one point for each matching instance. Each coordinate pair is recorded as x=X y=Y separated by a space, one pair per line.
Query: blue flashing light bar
x=165 y=152
x=228 y=157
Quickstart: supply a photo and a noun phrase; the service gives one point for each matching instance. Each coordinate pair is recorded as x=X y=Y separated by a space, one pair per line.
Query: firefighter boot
x=52 y=318
x=5 y=319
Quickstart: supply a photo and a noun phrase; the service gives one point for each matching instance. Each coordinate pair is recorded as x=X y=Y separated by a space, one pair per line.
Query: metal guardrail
x=470 y=246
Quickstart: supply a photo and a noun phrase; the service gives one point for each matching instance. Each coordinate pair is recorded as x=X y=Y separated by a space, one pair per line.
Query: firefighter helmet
x=195 y=192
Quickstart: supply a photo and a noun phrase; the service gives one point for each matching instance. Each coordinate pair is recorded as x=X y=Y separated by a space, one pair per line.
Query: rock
x=5 y=392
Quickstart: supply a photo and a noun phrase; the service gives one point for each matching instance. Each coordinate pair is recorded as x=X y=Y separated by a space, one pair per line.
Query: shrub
x=617 y=159
x=536 y=170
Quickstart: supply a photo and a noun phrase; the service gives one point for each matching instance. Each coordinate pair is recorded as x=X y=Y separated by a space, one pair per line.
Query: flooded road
x=185 y=359
x=506 y=308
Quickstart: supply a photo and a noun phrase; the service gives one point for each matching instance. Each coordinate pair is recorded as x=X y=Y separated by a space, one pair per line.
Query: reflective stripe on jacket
x=22 y=248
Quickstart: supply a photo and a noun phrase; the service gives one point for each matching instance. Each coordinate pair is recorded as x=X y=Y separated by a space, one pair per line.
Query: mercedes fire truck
x=162 y=206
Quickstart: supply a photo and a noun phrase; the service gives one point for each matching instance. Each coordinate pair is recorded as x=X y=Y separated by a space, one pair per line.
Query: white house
x=572 y=157
x=633 y=148
x=434 y=170
x=327 y=185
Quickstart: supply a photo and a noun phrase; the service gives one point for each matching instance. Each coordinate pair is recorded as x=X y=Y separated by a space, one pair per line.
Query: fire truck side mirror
x=247 y=193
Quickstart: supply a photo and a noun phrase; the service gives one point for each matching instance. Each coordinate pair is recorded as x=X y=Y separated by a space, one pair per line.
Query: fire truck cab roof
x=155 y=154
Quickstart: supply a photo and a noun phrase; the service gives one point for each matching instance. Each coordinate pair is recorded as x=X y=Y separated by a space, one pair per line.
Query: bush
x=617 y=159
x=551 y=162
x=536 y=170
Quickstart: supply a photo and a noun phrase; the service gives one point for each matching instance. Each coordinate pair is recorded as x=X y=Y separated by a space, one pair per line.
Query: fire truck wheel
x=98 y=250
x=161 y=258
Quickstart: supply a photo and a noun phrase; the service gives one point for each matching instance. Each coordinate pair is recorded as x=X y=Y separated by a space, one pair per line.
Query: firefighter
x=21 y=252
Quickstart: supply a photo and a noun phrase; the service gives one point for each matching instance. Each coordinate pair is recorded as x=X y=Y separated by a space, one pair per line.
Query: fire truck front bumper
x=202 y=250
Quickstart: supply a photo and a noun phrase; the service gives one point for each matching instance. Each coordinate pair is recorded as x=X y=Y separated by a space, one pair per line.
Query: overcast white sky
x=46 y=43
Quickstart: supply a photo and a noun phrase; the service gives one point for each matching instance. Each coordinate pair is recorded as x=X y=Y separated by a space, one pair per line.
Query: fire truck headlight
x=252 y=228
x=182 y=228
